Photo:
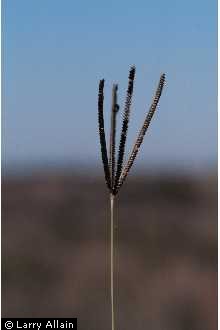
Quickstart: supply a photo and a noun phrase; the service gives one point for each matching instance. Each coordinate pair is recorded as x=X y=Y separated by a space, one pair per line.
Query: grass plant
x=116 y=172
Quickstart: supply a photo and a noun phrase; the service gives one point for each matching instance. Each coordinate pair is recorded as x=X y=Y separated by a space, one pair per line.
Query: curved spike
x=124 y=128
x=102 y=134
x=142 y=132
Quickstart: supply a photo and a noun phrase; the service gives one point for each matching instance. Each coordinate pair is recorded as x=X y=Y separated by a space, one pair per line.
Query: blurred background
x=55 y=206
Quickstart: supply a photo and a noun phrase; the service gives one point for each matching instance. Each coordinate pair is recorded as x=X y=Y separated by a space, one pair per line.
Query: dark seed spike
x=102 y=134
x=124 y=129
x=142 y=132
x=114 y=111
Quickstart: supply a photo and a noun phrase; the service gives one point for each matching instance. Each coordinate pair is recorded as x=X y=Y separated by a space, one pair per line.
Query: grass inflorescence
x=115 y=171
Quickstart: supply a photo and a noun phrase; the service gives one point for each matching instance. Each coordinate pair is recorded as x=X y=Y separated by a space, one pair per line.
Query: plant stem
x=112 y=261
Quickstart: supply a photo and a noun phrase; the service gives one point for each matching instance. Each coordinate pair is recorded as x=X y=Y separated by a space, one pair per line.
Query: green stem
x=112 y=261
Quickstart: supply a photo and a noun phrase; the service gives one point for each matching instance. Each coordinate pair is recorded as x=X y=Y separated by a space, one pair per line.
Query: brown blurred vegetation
x=55 y=251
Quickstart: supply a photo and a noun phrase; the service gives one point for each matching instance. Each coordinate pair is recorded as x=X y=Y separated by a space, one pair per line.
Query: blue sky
x=54 y=53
